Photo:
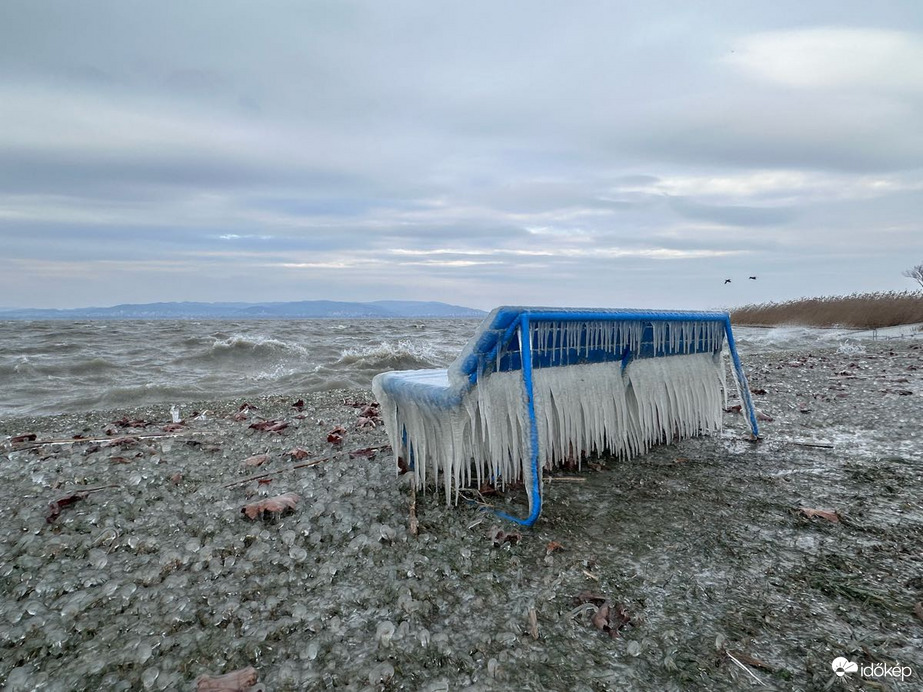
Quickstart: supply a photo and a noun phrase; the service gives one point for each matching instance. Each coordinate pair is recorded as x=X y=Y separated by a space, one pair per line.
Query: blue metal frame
x=522 y=324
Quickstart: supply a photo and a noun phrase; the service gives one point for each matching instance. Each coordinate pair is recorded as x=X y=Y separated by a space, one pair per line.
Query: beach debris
x=257 y=477
x=273 y=426
x=918 y=609
x=553 y=547
x=366 y=452
x=176 y=478
x=763 y=416
x=487 y=489
x=123 y=442
x=335 y=436
x=608 y=617
x=499 y=536
x=256 y=460
x=242 y=411
x=126 y=422
x=237 y=681
x=25 y=437
x=120 y=460
x=759 y=390
x=740 y=665
x=733 y=409
x=413 y=525
x=173 y=427
x=829 y=515
x=369 y=416
x=272 y=506
x=299 y=405
x=533 y=623
x=298 y=453
x=55 y=507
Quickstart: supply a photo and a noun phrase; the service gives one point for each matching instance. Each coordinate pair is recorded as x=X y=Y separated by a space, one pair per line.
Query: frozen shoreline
x=152 y=582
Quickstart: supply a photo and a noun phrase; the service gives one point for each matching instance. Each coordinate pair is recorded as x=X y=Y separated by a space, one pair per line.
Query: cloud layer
x=480 y=153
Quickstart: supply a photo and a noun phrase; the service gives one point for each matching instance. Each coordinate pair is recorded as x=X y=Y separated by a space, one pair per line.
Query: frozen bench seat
x=535 y=387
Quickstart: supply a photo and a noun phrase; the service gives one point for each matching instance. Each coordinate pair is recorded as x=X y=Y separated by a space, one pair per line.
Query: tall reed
x=859 y=311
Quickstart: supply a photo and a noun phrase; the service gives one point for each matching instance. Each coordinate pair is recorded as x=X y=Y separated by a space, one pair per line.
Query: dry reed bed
x=858 y=311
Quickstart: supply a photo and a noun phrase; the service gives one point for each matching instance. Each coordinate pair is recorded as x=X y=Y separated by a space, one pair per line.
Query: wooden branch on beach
x=819 y=445
x=414 y=525
x=300 y=465
x=94 y=440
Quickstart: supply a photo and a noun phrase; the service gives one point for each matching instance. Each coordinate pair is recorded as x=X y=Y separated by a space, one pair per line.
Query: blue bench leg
x=535 y=499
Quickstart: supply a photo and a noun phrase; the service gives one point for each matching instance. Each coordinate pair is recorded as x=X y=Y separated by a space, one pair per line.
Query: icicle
x=580 y=408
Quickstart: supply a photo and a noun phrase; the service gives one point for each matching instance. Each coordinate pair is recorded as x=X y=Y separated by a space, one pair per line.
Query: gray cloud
x=530 y=151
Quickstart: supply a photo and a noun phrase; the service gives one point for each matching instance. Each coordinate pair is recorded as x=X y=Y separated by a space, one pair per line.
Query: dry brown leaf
x=122 y=442
x=820 y=514
x=553 y=546
x=270 y=425
x=298 y=453
x=237 y=681
x=273 y=505
x=256 y=460
x=499 y=536
x=25 y=437
x=54 y=508
x=367 y=452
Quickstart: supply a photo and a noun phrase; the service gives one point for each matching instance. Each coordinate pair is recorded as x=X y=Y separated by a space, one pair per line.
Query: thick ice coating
x=615 y=386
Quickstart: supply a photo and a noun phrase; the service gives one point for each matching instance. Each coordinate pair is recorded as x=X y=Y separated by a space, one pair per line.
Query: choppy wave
x=123 y=364
x=403 y=355
x=141 y=363
x=239 y=346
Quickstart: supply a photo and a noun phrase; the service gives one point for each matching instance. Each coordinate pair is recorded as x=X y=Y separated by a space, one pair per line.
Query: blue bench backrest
x=560 y=337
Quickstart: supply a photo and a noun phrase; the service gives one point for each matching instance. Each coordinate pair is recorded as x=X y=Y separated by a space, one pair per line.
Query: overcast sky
x=618 y=154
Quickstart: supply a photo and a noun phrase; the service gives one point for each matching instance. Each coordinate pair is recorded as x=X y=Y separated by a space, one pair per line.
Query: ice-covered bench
x=537 y=386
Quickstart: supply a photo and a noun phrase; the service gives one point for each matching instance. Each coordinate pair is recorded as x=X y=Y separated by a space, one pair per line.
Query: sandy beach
x=128 y=563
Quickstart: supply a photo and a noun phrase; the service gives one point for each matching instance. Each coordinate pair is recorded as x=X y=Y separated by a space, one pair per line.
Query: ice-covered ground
x=700 y=549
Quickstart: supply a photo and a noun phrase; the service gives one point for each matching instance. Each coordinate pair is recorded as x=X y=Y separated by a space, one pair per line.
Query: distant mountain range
x=238 y=311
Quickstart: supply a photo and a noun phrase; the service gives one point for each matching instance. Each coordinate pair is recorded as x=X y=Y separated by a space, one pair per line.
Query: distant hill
x=238 y=311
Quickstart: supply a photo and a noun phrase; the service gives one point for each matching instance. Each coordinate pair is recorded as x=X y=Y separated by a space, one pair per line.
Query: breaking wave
x=403 y=355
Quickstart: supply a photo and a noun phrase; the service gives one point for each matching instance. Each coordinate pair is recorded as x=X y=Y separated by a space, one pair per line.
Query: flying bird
x=727 y=281
x=753 y=277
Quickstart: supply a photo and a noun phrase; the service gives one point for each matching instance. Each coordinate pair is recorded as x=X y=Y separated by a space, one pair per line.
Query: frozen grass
x=859 y=311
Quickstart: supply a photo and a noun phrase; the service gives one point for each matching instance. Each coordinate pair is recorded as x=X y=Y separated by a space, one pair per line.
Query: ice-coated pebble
x=385 y=633
x=381 y=673
x=149 y=678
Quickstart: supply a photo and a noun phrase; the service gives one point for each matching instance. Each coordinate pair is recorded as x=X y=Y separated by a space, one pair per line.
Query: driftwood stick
x=300 y=465
x=820 y=445
x=82 y=440
x=414 y=525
